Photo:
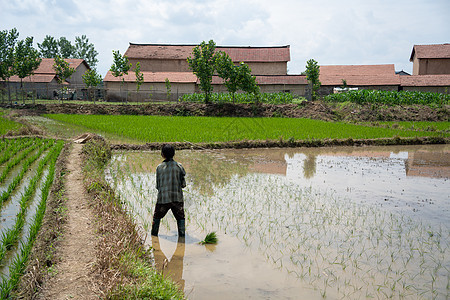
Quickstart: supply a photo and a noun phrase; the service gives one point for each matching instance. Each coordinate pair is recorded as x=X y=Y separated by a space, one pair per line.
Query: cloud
x=344 y=32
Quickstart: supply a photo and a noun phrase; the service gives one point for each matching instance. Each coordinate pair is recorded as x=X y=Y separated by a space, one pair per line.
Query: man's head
x=168 y=151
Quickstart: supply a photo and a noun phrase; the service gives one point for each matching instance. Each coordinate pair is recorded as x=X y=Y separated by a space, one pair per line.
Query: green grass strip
x=19 y=263
x=215 y=129
x=16 y=181
x=7 y=125
x=10 y=236
x=16 y=160
x=15 y=147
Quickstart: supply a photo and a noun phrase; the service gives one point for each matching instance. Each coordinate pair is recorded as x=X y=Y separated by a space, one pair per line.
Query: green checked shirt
x=170 y=181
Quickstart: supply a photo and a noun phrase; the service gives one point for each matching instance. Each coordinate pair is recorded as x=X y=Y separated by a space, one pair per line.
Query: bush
x=390 y=98
x=268 y=98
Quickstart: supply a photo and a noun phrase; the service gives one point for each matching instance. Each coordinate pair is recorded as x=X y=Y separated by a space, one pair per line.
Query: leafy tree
x=139 y=76
x=312 y=75
x=66 y=49
x=247 y=82
x=86 y=51
x=168 y=88
x=91 y=79
x=202 y=64
x=63 y=71
x=49 y=47
x=7 y=44
x=120 y=66
x=26 y=59
x=235 y=76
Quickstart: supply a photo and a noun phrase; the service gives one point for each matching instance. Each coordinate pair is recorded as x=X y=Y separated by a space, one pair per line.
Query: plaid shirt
x=170 y=181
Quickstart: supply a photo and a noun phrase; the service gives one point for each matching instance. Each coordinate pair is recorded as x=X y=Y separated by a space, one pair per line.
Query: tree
x=139 y=76
x=63 y=71
x=247 y=82
x=168 y=88
x=7 y=44
x=49 y=47
x=66 y=49
x=91 y=79
x=202 y=64
x=86 y=51
x=312 y=75
x=26 y=59
x=235 y=76
x=120 y=66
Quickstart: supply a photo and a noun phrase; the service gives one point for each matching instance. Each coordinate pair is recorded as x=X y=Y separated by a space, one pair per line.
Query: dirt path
x=74 y=278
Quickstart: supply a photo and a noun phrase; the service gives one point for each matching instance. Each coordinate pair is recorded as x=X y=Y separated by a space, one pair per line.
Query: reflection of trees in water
x=205 y=171
x=309 y=166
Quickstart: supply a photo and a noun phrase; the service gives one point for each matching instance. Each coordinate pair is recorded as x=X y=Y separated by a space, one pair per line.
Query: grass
x=223 y=129
x=7 y=125
x=122 y=262
x=410 y=125
x=211 y=238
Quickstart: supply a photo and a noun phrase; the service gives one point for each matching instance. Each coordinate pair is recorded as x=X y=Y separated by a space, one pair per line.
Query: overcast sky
x=332 y=32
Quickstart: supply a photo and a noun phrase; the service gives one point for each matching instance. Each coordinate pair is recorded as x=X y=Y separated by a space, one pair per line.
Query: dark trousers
x=177 y=209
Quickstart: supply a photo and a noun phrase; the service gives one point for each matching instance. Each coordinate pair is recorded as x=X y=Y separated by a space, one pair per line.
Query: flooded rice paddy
x=367 y=222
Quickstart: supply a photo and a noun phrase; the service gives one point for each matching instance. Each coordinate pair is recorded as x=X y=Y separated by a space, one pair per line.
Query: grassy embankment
x=147 y=129
x=124 y=266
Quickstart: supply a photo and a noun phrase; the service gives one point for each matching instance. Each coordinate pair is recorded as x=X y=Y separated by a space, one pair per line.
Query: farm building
x=166 y=61
x=44 y=80
x=379 y=77
x=431 y=59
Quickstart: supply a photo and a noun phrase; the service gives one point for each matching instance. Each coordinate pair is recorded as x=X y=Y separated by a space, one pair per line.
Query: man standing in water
x=169 y=183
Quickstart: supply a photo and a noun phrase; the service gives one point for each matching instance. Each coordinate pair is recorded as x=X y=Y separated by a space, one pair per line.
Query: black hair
x=168 y=151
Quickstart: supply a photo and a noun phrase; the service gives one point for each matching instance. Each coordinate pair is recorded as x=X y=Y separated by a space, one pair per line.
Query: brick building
x=166 y=61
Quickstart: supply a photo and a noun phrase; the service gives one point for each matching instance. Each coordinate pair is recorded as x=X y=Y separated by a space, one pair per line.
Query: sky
x=346 y=32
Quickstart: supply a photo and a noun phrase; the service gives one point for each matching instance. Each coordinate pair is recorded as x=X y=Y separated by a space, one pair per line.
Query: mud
x=313 y=110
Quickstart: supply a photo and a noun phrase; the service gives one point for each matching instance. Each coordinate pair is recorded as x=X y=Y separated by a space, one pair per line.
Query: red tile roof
x=43 y=78
x=430 y=51
x=272 y=79
x=46 y=66
x=178 y=77
x=425 y=80
x=237 y=54
x=359 y=75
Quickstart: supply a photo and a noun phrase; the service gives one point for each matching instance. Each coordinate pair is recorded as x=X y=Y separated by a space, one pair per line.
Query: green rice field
x=222 y=129
x=7 y=125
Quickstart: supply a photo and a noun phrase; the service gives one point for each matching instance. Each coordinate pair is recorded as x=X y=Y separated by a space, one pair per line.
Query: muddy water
x=302 y=223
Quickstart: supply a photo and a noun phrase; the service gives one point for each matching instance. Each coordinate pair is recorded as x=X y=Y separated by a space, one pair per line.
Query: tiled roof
x=272 y=79
x=359 y=75
x=42 y=78
x=237 y=54
x=430 y=51
x=46 y=66
x=425 y=80
x=178 y=77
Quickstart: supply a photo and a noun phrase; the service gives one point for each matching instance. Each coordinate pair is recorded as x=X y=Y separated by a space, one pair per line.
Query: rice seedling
x=18 y=240
x=210 y=238
x=214 y=129
x=339 y=247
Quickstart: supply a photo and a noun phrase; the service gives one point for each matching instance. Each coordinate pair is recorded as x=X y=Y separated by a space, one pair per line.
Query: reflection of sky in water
x=376 y=180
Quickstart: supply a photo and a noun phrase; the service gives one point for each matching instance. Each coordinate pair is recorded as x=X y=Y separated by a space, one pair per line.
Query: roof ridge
x=193 y=45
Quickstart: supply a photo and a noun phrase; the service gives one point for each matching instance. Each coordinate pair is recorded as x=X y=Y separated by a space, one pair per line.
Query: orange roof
x=178 y=77
x=430 y=51
x=425 y=80
x=46 y=66
x=182 y=52
x=45 y=78
x=359 y=75
x=272 y=79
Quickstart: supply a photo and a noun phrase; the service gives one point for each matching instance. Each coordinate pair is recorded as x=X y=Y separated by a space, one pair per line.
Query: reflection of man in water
x=169 y=183
x=174 y=267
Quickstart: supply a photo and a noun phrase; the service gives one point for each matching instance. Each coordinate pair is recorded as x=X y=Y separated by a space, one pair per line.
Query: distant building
x=44 y=80
x=166 y=61
x=379 y=77
x=402 y=73
x=431 y=59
